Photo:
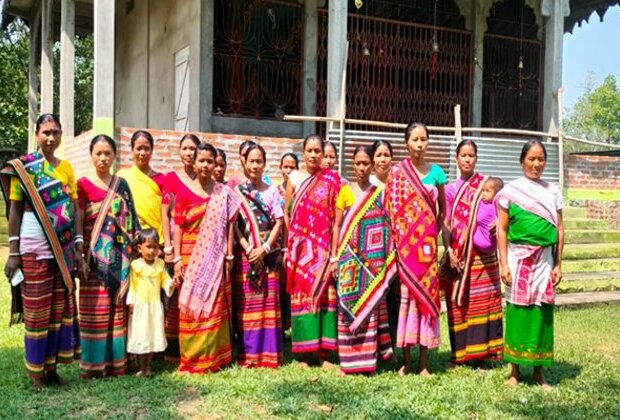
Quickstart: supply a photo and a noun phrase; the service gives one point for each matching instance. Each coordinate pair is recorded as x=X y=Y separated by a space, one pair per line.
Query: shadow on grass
x=602 y=404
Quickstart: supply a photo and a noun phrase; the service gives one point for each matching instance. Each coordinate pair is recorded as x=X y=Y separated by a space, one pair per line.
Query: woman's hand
x=13 y=263
x=83 y=268
x=455 y=262
x=168 y=258
x=178 y=271
x=228 y=265
x=505 y=274
x=256 y=255
x=332 y=269
x=556 y=273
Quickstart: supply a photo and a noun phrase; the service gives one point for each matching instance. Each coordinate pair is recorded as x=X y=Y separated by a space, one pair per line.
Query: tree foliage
x=596 y=115
x=14 y=56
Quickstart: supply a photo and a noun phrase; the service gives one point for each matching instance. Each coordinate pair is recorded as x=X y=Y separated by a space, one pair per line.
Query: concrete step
x=594 y=285
x=587 y=298
x=591 y=265
x=585 y=224
x=591 y=251
x=576 y=212
x=602 y=275
x=591 y=236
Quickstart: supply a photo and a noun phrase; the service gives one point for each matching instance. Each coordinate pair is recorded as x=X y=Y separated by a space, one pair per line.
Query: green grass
x=586 y=376
x=585 y=194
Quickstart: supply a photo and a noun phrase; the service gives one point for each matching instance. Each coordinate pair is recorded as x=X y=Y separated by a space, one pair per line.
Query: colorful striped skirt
x=50 y=322
x=476 y=327
x=359 y=351
x=205 y=343
x=529 y=335
x=257 y=317
x=103 y=329
x=415 y=328
x=314 y=332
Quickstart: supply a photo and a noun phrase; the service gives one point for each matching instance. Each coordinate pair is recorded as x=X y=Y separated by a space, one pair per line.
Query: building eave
x=582 y=10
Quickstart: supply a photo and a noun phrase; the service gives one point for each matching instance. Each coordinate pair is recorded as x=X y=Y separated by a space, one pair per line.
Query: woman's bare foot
x=304 y=365
x=341 y=373
x=38 y=384
x=327 y=365
x=52 y=377
x=539 y=378
x=514 y=375
x=512 y=381
x=404 y=370
x=425 y=373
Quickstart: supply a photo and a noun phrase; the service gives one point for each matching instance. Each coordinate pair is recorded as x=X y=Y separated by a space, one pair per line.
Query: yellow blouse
x=64 y=173
x=146 y=280
x=345 y=198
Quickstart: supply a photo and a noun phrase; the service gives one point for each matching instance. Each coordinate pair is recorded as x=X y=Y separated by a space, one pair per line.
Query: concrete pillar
x=103 y=97
x=479 y=27
x=67 y=68
x=33 y=68
x=207 y=9
x=336 y=56
x=311 y=26
x=47 y=57
x=554 y=38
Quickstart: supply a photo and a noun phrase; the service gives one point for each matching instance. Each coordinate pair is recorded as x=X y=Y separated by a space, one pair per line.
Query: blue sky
x=593 y=47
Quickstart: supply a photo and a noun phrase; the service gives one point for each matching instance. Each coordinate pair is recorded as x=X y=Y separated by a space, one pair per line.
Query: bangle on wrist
x=14 y=254
x=334 y=259
x=229 y=257
x=177 y=259
x=248 y=249
x=77 y=240
x=284 y=250
x=266 y=247
x=13 y=239
x=168 y=250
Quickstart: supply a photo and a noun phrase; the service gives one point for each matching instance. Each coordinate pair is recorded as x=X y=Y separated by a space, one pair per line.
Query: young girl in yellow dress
x=146 y=334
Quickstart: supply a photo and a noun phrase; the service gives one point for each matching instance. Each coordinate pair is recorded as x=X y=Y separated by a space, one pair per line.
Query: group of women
x=356 y=262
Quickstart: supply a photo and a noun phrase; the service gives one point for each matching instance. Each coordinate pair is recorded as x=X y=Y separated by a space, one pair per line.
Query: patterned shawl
x=414 y=228
x=463 y=221
x=205 y=271
x=112 y=252
x=256 y=219
x=313 y=212
x=51 y=203
x=367 y=258
x=147 y=198
x=530 y=256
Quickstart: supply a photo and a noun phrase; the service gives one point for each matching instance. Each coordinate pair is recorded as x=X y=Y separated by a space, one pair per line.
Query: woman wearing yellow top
x=42 y=195
x=146 y=184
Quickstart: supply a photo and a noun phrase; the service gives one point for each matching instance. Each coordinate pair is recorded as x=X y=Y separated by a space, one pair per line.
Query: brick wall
x=605 y=210
x=166 y=155
x=592 y=172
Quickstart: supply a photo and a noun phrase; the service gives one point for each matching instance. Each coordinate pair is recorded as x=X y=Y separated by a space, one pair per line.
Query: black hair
x=245 y=144
x=292 y=156
x=315 y=136
x=527 y=146
x=191 y=137
x=45 y=118
x=147 y=234
x=366 y=149
x=205 y=147
x=497 y=182
x=102 y=137
x=467 y=142
x=255 y=146
x=142 y=133
x=330 y=144
x=379 y=143
x=412 y=126
x=220 y=153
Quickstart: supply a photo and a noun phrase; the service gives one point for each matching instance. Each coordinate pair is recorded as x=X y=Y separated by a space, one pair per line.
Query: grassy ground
x=586 y=376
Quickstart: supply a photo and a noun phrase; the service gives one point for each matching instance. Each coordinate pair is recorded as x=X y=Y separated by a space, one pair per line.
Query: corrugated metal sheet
x=496 y=156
